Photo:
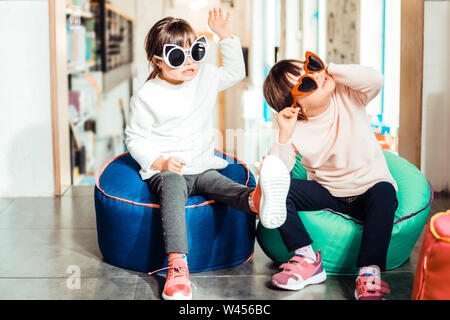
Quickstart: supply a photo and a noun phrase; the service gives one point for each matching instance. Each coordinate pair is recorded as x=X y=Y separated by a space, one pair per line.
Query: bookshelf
x=99 y=57
x=115 y=28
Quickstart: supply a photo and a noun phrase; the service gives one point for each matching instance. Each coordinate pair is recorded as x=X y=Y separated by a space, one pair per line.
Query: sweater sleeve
x=233 y=67
x=138 y=134
x=286 y=152
x=361 y=83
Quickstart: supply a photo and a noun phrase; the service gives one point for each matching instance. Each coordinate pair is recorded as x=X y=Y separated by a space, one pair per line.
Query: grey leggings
x=173 y=191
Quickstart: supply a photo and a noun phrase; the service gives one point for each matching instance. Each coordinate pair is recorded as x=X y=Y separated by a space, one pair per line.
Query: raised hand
x=287 y=119
x=218 y=23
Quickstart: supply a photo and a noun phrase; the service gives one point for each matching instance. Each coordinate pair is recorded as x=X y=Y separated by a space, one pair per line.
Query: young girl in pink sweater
x=322 y=117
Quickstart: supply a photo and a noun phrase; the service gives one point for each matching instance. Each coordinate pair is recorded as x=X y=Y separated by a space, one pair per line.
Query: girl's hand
x=287 y=119
x=218 y=24
x=174 y=164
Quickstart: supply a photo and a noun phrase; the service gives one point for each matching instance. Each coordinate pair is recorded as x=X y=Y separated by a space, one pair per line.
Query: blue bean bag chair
x=129 y=225
x=338 y=236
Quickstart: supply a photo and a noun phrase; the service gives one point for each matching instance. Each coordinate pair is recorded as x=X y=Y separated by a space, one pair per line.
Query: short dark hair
x=277 y=86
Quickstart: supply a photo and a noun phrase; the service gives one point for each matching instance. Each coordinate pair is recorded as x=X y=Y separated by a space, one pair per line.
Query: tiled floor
x=43 y=239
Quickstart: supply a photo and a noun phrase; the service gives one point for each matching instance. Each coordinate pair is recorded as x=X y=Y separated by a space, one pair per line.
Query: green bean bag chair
x=338 y=236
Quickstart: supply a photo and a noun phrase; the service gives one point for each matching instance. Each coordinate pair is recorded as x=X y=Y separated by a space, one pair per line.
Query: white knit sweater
x=177 y=120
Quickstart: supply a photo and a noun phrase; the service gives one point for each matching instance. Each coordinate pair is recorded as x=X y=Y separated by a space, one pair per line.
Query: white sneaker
x=274 y=182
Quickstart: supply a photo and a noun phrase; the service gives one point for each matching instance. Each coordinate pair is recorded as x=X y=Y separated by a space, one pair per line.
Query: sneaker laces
x=175 y=271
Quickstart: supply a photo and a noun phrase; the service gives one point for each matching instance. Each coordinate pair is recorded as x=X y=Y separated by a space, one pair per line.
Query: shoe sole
x=357 y=298
x=177 y=296
x=318 y=278
x=274 y=182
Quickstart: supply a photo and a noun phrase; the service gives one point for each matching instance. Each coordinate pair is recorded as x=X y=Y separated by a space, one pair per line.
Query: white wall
x=371 y=42
x=145 y=13
x=392 y=65
x=26 y=161
x=293 y=30
x=310 y=27
x=436 y=95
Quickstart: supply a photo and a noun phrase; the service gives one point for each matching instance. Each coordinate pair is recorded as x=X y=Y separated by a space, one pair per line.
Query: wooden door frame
x=59 y=97
x=411 y=80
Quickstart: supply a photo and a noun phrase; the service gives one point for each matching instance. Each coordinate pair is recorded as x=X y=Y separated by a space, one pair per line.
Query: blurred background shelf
x=73 y=67
x=99 y=59
x=72 y=11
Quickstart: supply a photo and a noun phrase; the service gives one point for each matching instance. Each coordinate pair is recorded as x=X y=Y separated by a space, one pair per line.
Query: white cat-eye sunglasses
x=175 y=56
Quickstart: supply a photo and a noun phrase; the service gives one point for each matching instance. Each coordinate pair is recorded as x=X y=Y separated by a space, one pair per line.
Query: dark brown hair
x=277 y=86
x=167 y=30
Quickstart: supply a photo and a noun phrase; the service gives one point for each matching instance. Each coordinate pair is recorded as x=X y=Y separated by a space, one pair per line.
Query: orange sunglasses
x=307 y=84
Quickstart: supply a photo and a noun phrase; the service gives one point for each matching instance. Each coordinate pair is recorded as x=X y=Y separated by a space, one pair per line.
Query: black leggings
x=375 y=208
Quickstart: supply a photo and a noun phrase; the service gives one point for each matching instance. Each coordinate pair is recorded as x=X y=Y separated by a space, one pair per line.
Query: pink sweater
x=338 y=147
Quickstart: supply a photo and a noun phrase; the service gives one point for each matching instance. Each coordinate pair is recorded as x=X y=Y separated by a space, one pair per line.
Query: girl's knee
x=384 y=193
x=169 y=174
x=170 y=177
x=385 y=190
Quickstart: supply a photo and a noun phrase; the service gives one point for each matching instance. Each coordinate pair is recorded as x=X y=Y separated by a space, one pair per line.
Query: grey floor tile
x=4 y=203
x=149 y=287
x=400 y=284
x=48 y=253
x=441 y=202
x=49 y=213
x=64 y=289
x=259 y=264
x=80 y=191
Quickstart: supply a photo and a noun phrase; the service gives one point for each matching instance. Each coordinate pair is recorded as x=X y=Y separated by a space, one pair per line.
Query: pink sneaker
x=177 y=286
x=298 y=273
x=369 y=287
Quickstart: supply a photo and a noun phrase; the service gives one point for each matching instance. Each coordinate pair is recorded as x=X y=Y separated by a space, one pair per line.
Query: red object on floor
x=432 y=281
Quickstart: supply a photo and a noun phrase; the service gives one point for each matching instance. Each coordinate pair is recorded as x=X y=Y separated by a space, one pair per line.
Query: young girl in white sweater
x=169 y=135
